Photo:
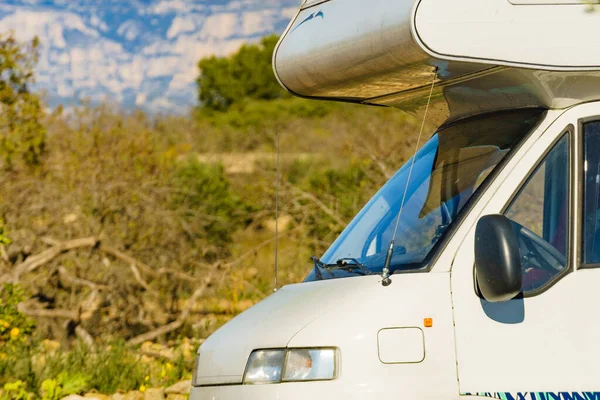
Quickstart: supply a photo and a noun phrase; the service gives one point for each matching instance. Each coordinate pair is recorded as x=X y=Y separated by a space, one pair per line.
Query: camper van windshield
x=447 y=171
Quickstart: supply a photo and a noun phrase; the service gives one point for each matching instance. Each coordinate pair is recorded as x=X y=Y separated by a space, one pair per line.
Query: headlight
x=292 y=365
x=264 y=366
x=310 y=365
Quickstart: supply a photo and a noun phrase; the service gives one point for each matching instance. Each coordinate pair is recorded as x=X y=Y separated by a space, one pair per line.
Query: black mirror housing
x=497 y=259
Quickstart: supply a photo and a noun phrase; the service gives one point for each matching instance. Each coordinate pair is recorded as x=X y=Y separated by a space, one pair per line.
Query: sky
x=139 y=53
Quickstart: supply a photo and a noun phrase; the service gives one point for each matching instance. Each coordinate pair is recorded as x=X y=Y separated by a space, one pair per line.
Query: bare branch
x=91 y=306
x=382 y=167
x=140 y=280
x=318 y=203
x=4 y=253
x=132 y=261
x=178 y=274
x=157 y=354
x=170 y=327
x=32 y=263
x=54 y=313
x=127 y=259
x=145 y=337
x=252 y=251
x=85 y=337
x=71 y=280
x=144 y=267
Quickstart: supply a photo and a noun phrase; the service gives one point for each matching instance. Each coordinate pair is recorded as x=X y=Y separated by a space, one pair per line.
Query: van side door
x=543 y=344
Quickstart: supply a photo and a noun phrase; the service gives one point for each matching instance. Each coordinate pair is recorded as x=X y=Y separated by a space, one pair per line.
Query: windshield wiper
x=349 y=265
x=343 y=264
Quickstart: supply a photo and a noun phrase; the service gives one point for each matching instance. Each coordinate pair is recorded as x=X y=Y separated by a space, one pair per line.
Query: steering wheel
x=540 y=251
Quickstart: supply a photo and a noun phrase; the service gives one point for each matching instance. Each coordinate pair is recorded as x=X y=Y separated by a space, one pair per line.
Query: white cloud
x=134 y=72
x=56 y=36
x=220 y=25
x=64 y=90
x=130 y=30
x=158 y=48
x=63 y=58
x=289 y=12
x=257 y=22
x=162 y=66
x=152 y=62
x=162 y=104
x=48 y=25
x=182 y=79
x=140 y=99
x=169 y=6
x=6 y=8
x=188 y=71
x=182 y=25
x=96 y=22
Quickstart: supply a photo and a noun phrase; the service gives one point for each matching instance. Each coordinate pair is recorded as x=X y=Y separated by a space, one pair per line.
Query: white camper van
x=474 y=273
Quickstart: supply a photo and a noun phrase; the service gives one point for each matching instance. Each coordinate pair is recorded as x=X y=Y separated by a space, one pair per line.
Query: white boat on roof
x=532 y=52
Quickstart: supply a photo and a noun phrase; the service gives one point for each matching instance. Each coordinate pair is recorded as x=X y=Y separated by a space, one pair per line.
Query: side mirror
x=497 y=259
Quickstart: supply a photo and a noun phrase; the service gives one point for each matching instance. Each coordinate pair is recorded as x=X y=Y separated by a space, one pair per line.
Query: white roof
x=522 y=33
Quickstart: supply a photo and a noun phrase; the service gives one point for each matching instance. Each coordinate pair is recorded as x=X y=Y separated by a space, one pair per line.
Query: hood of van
x=271 y=323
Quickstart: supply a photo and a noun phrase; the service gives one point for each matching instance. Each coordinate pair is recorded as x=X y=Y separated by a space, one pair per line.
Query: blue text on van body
x=541 y=395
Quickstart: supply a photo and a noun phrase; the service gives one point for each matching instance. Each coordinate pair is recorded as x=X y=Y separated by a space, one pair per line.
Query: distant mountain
x=141 y=53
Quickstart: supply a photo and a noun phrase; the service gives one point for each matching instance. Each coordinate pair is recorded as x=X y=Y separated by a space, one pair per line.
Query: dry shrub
x=134 y=185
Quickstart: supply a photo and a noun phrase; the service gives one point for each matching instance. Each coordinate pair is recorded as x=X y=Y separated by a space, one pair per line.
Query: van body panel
x=353 y=326
x=545 y=2
x=499 y=33
x=542 y=343
x=281 y=315
x=311 y=391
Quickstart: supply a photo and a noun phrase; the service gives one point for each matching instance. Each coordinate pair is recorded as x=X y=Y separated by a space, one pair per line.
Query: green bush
x=251 y=114
x=63 y=385
x=342 y=190
x=15 y=391
x=206 y=201
x=224 y=81
x=14 y=326
x=16 y=364
x=52 y=375
x=22 y=135
x=4 y=239
x=166 y=373
x=114 y=367
x=51 y=390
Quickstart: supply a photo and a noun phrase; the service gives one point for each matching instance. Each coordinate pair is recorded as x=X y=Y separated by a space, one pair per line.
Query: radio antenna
x=385 y=274
x=276 y=213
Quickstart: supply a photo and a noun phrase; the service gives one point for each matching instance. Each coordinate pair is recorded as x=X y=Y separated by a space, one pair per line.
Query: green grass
x=78 y=370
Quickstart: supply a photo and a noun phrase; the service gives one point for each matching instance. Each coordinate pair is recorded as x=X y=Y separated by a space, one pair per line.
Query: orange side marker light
x=428 y=322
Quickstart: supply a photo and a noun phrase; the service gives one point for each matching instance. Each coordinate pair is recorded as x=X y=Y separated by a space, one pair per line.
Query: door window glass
x=591 y=190
x=540 y=217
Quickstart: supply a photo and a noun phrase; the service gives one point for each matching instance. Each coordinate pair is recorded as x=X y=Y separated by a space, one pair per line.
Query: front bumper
x=291 y=391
